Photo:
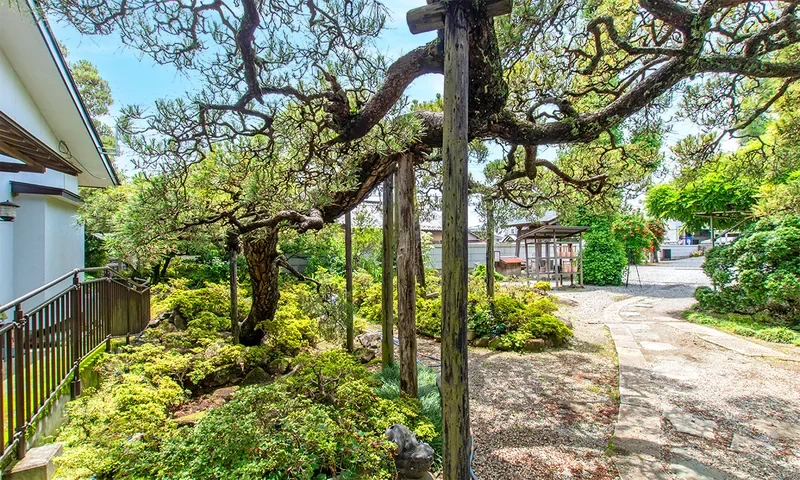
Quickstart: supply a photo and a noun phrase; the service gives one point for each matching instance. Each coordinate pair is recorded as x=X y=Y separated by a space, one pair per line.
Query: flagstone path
x=697 y=403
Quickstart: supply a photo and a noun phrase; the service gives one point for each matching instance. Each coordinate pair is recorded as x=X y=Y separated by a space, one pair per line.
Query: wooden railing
x=41 y=349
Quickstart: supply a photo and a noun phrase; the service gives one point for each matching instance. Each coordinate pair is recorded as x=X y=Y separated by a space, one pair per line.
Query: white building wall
x=64 y=242
x=43 y=243
x=16 y=102
x=476 y=253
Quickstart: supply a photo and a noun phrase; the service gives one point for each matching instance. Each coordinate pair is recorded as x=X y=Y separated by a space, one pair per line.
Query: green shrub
x=547 y=327
x=113 y=429
x=429 y=316
x=479 y=272
x=604 y=254
x=213 y=297
x=326 y=420
x=542 y=286
x=760 y=326
x=760 y=272
x=516 y=315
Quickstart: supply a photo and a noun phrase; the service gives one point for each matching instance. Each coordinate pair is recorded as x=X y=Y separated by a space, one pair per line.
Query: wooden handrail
x=41 y=349
x=62 y=278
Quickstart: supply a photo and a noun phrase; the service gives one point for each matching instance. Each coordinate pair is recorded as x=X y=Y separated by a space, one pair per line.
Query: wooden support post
x=490 y=249
x=387 y=291
x=233 y=253
x=406 y=285
x=348 y=275
x=452 y=15
x=580 y=258
x=419 y=261
x=20 y=353
x=455 y=376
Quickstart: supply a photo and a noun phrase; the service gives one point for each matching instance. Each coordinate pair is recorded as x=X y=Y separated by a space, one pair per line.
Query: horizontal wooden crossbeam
x=431 y=16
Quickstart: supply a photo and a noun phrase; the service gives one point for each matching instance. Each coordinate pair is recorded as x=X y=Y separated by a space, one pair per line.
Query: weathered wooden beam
x=20 y=167
x=387 y=278
x=490 y=249
x=431 y=16
x=348 y=275
x=419 y=261
x=455 y=375
x=7 y=149
x=406 y=285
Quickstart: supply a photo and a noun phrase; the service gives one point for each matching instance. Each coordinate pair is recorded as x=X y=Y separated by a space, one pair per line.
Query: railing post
x=19 y=380
x=128 y=305
x=77 y=313
x=105 y=299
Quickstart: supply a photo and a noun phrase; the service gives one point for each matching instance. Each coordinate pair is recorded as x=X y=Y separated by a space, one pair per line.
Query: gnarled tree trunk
x=261 y=252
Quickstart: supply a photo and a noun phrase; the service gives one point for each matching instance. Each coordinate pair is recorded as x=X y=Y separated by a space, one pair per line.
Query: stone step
x=38 y=463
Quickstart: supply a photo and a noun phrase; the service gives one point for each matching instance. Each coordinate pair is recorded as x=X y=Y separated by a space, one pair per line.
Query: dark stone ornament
x=413 y=459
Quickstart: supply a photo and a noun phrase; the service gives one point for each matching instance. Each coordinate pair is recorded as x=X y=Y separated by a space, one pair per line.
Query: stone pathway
x=697 y=403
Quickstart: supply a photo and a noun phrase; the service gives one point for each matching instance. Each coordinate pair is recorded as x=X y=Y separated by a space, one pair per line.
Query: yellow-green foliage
x=293 y=329
x=213 y=297
x=516 y=315
x=326 y=420
x=542 y=286
x=134 y=399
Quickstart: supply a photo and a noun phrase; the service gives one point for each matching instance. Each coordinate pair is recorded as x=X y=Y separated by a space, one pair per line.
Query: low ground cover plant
x=757 y=326
x=327 y=418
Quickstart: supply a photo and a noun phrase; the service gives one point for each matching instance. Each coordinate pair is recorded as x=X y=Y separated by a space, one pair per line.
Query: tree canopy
x=308 y=78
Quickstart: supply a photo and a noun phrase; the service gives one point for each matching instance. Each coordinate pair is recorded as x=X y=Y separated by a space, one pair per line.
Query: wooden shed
x=509 y=266
x=554 y=252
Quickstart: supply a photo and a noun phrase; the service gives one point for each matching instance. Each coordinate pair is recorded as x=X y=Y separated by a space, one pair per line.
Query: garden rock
x=191 y=419
x=534 y=345
x=279 y=366
x=177 y=319
x=159 y=319
x=370 y=339
x=223 y=395
x=566 y=322
x=365 y=355
x=220 y=377
x=255 y=376
x=413 y=459
x=494 y=343
x=482 y=342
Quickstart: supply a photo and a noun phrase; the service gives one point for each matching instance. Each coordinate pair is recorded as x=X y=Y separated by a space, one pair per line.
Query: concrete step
x=38 y=463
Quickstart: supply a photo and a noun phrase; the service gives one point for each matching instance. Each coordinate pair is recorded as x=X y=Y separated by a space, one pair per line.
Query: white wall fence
x=677 y=251
x=477 y=254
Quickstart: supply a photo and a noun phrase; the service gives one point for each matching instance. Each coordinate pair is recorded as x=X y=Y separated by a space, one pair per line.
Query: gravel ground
x=544 y=415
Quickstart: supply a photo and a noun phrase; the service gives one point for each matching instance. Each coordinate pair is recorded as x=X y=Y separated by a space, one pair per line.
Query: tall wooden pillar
x=387 y=291
x=455 y=137
x=490 y=249
x=419 y=262
x=348 y=273
x=406 y=285
x=233 y=252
